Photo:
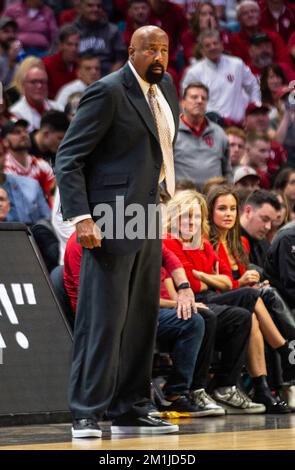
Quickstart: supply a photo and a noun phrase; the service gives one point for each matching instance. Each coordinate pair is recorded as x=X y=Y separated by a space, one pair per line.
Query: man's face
x=259 y=220
x=258 y=153
x=92 y=10
x=250 y=182
x=290 y=188
x=70 y=48
x=89 y=70
x=236 y=149
x=195 y=102
x=36 y=85
x=52 y=139
x=257 y=122
x=262 y=54
x=212 y=48
x=4 y=204
x=149 y=56
x=249 y=16
x=139 y=12
x=7 y=33
x=18 y=139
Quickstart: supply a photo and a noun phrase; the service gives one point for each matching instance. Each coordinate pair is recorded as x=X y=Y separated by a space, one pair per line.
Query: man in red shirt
x=61 y=67
x=249 y=15
x=279 y=16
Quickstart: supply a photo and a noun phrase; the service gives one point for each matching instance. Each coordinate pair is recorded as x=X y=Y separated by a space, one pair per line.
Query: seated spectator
x=45 y=141
x=8 y=29
x=4 y=204
x=237 y=145
x=8 y=64
x=33 y=103
x=257 y=156
x=72 y=105
x=213 y=182
x=233 y=251
x=257 y=121
x=279 y=16
x=203 y=17
x=285 y=182
x=61 y=66
x=246 y=177
x=201 y=148
x=88 y=71
x=260 y=212
x=222 y=72
x=69 y=14
x=285 y=133
x=272 y=80
x=36 y=25
x=16 y=89
x=19 y=162
x=279 y=265
x=98 y=34
x=249 y=16
x=261 y=55
x=138 y=14
x=283 y=217
x=26 y=199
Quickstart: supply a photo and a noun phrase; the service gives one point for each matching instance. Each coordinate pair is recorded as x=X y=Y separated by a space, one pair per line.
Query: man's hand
x=185 y=304
x=88 y=234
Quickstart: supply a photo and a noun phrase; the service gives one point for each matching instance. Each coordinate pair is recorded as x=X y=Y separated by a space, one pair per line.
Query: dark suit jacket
x=112 y=149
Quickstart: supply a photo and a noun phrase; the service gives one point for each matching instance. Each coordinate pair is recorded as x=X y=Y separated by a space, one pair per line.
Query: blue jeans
x=182 y=339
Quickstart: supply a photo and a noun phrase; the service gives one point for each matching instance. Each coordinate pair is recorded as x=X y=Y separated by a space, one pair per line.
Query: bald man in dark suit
x=112 y=149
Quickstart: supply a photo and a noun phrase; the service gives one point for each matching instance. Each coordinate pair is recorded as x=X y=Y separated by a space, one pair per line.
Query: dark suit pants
x=115 y=332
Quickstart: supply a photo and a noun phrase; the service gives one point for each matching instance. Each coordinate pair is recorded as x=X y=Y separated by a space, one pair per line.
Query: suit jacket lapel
x=137 y=99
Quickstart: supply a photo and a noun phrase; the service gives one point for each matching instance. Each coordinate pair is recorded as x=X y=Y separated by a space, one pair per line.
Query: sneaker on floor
x=185 y=406
x=288 y=394
x=87 y=427
x=206 y=403
x=273 y=405
x=141 y=425
x=236 y=402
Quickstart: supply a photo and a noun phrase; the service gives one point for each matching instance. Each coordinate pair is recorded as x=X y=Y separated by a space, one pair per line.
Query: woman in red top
x=233 y=250
x=208 y=273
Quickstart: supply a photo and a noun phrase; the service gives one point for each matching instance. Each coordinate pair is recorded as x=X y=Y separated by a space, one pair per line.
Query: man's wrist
x=183 y=285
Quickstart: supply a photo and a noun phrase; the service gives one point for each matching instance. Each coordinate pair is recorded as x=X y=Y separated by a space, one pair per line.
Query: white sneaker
x=288 y=395
x=205 y=402
x=236 y=402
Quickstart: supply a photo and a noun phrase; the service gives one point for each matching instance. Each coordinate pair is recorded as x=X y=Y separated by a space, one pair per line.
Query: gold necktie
x=165 y=140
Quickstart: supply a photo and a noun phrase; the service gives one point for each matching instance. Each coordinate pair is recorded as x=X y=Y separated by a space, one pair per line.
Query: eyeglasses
x=37 y=82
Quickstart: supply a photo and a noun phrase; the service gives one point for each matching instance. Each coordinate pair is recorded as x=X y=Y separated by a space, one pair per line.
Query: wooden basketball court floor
x=260 y=432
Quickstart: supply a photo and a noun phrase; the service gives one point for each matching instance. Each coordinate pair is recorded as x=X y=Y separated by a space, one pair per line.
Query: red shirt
x=203 y=259
x=225 y=259
x=58 y=73
x=36 y=168
x=284 y=25
x=170 y=262
x=72 y=264
x=67 y=16
x=239 y=44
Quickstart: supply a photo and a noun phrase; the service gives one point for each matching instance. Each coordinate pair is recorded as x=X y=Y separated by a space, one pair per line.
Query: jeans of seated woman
x=279 y=311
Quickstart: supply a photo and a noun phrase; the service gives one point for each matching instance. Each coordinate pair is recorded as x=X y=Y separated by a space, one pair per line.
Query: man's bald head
x=148 y=52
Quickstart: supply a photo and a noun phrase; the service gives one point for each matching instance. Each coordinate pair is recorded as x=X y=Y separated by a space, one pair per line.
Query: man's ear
x=131 y=52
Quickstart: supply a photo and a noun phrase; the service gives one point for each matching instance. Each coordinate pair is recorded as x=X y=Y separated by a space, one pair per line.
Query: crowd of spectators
x=233 y=64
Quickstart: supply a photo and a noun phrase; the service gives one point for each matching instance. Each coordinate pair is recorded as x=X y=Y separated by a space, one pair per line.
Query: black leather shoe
x=86 y=427
x=141 y=425
x=273 y=405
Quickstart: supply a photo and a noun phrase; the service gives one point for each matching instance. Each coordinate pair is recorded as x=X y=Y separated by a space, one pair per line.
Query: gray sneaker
x=205 y=402
x=236 y=402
